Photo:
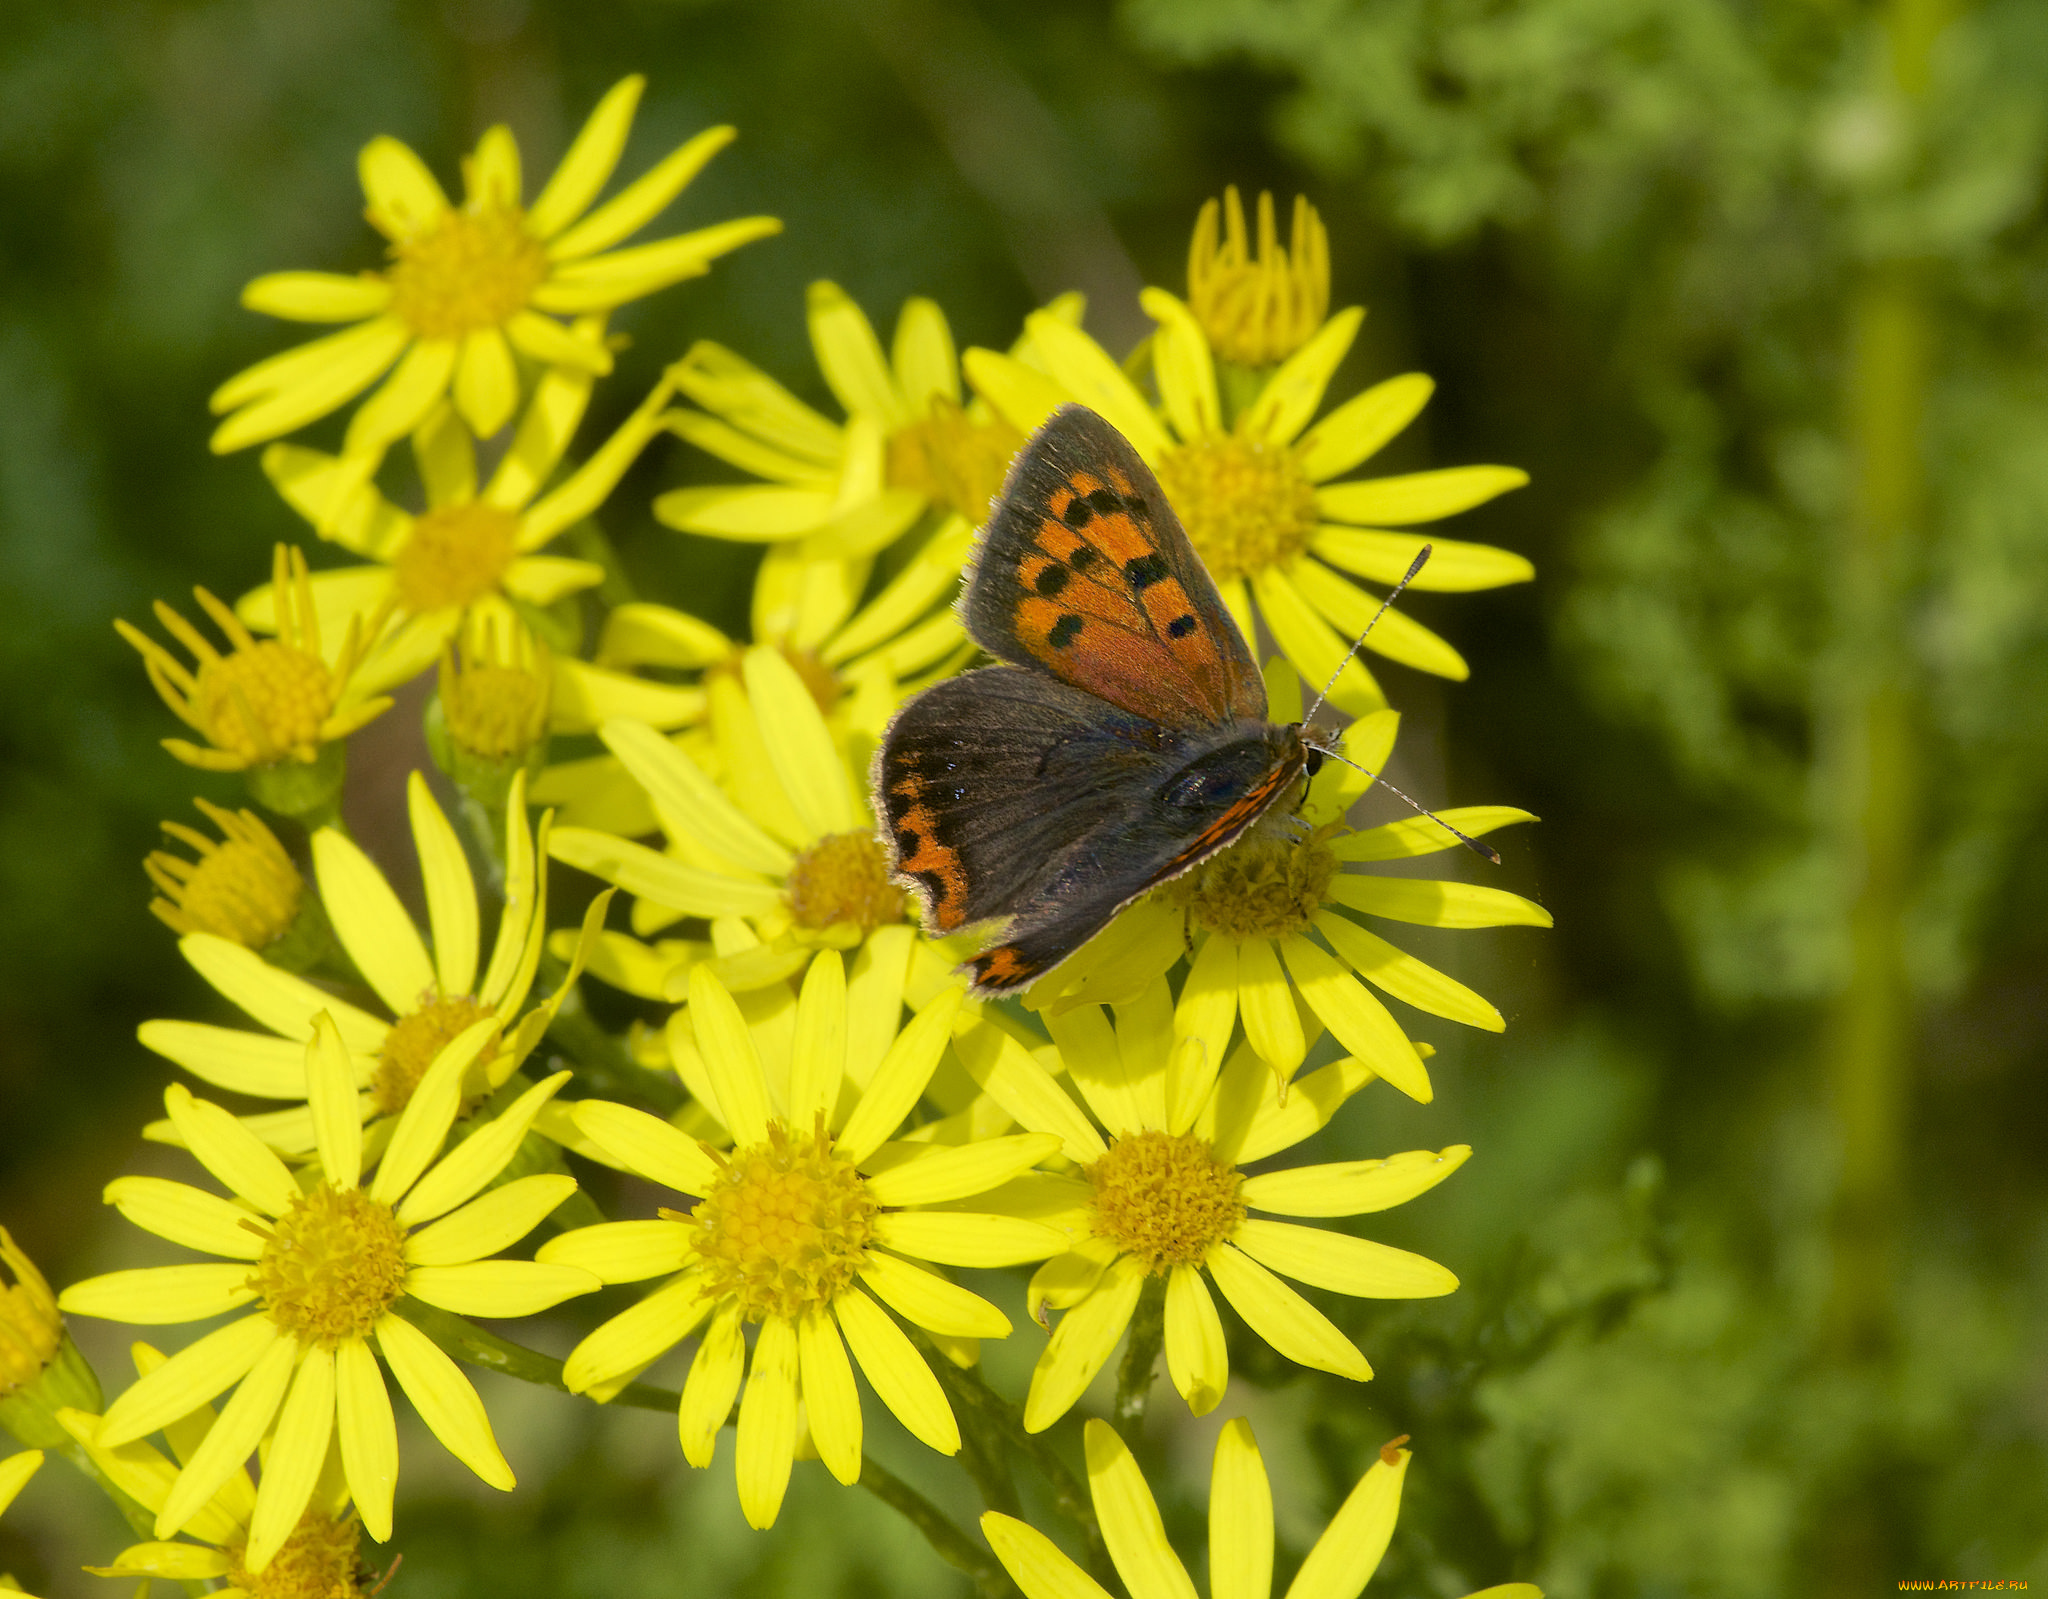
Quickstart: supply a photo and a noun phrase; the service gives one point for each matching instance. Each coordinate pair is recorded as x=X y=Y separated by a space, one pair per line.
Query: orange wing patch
x=1005 y=966
x=936 y=869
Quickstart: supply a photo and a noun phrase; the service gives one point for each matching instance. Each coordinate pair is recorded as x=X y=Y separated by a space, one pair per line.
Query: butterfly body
x=1124 y=740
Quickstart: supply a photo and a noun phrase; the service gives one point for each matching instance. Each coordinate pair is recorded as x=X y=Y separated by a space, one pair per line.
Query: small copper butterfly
x=1124 y=741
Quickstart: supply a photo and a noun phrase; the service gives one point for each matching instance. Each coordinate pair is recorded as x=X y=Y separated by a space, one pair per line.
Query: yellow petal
x=713 y=1384
x=336 y=1108
x=157 y=1296
x=622 y=1251
x=850 y=357
x=194 y=1376
x=1351 y=1547
x=657 y=877
x=642 y=200
x=897 y=1372
x=647 y=1145
x=1406 y=978
x=283 y=1003
x=922 y=354
x=1274 y=1124
x=1293 y=393
x=291 y=1467
x=1003 y=1070
x=1436 y=904
x=231 y=1152
x=444 y=1398
x=187 y=1215
x=424 y=1123
x=1416 y=496
x=899 y=1081
x=634 y=1338
x=1418 y=835
x=368 y=1435
x=486 y=382
x=1093 y=378
x=1390 y=632
x=817 y=1062
x=242 y=1422
x=678 y=786
x=498 y=1289
x=1360 y=426
x=1240 y=1517
x=1355 y=1019
x=957 y=1238
x=597 y=283
x=830 y=1400
x=1197 y=1359
x=1184 y=365
x=941 y=1174
x=931 y=1302
x=1453 y=567
x=1341 y=1263
x=404 y=198
x=731 y=1058
x=589 y=162
x=1353 y=1187
x=371 y=923
x=1271 y=1022
x=317 y=296
x=1082 y=1344
x=800 y=746
x=1308 y=641
x=1130 y=1520
x=1037 y=1564
x=492 y=1222
x=301 y=385
x=1293 y=1326
x=415 y=386
x=465 y=1169
x=451 y=890
x=1024 y=395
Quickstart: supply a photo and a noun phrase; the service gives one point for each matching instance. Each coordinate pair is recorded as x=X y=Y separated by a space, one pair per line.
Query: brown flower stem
x=951 y=1544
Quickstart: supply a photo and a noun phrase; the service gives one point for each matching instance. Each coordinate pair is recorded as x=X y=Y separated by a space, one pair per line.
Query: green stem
x=981 y=1406
x=952 y=1545
x=1141 y=1353
x=473 y=1346
x=602 y=1062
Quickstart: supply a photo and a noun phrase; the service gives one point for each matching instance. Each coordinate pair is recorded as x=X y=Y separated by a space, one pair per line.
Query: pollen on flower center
x=470 y=271
x=320 y=1560
x=952 y=459
x=413 y=1042
x=334 y=1264
x=1266 y=885
x=1245 y=502
x=455 y=555
x=786 y=1227
x=1163 y=1200
x=844 y=879
x=265 y=702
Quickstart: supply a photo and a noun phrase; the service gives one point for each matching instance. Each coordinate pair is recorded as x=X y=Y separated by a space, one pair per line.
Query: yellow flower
x=1256 y=495
x=473 y=545
x=496 y=684
x=277 y=700
x=31 y=1331
x=244 y=888
x=1161 y=1193
x=1339 y=1565
x=1257 y=309
x=1270 y=920
x=434 y=995
x=320 y=1559
x=779 y=854
x=467 y=287
x=908 y=444
x=15 y=1472
x=329 y=1268
x=796 y=1228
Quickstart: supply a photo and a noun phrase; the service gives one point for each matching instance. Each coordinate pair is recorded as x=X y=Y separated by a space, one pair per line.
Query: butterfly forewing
x=1085 y=572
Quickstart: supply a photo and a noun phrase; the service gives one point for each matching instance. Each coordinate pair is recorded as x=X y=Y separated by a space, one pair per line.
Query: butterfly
x=1124 y=739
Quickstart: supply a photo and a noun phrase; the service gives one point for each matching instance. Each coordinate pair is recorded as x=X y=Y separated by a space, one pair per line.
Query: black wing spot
x=1079 y=513
x=1106 y=502
x=1064 y=631
x=1051 y=580
x=1142 y=571
x=1082 y=559
x=1181 y=627
x=908 y=843
x=1136 y=509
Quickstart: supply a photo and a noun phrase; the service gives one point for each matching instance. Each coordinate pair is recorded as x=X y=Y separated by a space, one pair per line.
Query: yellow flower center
x=469 y=272
x=319 y=1560
x=786 y=1227
x=497 y=712
x=244 y=888
x=455 y=555
x=953 y=460
x=1164 y=1201
x=1264 y=886
x=335 y=1263
x=1245 y=502
x=265 y=702
x=1258 y=308
x=844 y=879
x=413 y=1042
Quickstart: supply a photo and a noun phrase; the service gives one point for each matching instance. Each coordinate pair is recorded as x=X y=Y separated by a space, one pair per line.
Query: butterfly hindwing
x=1085 y=572
x=1005 y=793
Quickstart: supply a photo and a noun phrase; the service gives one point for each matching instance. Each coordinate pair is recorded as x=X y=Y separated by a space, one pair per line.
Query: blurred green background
x=1754 y=1254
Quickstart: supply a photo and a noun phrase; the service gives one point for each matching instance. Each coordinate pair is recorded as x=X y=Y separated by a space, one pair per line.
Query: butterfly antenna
x=1471 y=843
x=1393 y=594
